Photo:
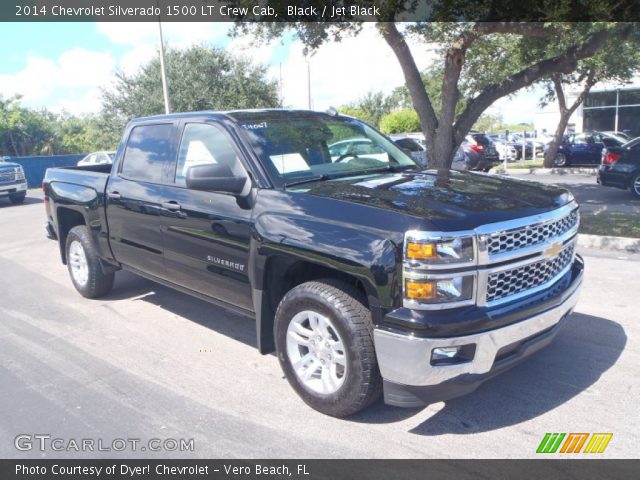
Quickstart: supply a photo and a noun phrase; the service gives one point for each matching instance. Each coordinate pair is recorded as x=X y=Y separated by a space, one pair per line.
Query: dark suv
x=480 y=152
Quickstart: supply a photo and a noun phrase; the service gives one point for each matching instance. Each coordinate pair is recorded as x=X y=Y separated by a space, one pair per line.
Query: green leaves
x=200 y=78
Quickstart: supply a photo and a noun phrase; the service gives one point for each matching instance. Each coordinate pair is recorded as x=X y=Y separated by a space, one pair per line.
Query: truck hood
x=447 y=199
x=4 y=165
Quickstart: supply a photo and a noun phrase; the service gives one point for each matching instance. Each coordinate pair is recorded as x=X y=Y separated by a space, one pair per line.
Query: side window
x=582 y=139
x=204 y=144
x=148 y=150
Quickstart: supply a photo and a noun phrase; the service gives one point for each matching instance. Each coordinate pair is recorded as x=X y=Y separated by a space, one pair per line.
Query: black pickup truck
x=365 y=273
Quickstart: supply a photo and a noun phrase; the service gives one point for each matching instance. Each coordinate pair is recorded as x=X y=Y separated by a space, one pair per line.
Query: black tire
x=97 y=283
x=340 y=303
x=560 y=160
x=634 y=186
x=17 y=198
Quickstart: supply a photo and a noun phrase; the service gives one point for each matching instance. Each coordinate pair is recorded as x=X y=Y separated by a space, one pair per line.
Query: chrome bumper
x=13 y=188
x=406 y=360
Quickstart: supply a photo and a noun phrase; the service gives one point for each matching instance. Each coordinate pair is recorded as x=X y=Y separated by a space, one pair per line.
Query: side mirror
x=214 y=177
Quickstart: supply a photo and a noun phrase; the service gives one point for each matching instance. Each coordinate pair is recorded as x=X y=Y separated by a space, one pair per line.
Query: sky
x=63 y=66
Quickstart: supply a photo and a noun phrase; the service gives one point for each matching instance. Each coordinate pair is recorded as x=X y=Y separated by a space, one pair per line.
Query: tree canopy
x=200 y=78
x=481 y=62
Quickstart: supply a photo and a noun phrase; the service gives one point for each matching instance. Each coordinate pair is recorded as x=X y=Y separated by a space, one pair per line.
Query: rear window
x=409 y=144
x=481 y=139
x=148 y=151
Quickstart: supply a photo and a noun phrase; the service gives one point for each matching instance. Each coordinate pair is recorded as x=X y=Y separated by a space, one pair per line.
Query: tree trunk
x=565 y=113
x=552 y=149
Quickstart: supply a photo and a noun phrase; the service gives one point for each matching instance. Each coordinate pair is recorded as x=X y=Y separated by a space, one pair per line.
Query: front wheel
x=560 y=160
x=635 y=186
x=324 y=340
x=84 y=266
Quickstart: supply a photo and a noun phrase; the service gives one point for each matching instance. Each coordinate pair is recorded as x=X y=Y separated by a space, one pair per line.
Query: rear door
x=207 y=234
x=134 y=194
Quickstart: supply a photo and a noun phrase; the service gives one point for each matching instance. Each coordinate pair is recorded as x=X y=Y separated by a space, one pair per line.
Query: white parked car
x=97 y=158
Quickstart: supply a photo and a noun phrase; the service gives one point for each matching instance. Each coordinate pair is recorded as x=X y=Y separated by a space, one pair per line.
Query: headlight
x=439 y=251
x=440 y=290
x=19 y=173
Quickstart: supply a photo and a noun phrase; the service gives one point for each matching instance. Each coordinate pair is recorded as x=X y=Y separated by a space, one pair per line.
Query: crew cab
x=365 y=273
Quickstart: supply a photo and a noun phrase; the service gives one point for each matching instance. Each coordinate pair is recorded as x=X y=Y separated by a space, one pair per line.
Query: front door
x=207 y=234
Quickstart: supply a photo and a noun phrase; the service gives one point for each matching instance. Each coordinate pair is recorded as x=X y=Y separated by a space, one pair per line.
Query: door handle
x=114 y=195
x=173 y=206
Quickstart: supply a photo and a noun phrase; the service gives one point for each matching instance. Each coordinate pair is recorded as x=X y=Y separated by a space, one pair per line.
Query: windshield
x=297 y=149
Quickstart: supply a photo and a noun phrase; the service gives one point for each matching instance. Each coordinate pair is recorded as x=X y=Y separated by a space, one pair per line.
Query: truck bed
x=93 y=176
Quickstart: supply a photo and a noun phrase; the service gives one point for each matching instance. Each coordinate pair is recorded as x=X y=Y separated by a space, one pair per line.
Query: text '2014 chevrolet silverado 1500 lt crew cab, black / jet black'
x=364 y=273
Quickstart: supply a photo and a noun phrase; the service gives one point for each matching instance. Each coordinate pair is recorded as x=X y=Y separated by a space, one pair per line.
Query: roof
x=238 y=114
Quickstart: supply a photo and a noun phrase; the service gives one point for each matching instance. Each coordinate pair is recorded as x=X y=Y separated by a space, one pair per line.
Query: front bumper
x=8 y=189
x=405 y=360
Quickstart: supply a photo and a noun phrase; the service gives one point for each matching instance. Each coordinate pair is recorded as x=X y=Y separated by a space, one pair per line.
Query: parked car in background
x=13 y=183
x=505 y=149
x=412 y=146
x=480 y=152
x=98 y=158
x=621 y=135
x=620 y=167
x=584 y=148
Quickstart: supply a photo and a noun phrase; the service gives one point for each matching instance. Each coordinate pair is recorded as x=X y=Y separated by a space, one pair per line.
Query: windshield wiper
x=315 y=178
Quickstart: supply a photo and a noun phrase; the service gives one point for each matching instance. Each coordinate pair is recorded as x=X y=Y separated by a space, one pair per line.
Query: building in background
x=606 y=108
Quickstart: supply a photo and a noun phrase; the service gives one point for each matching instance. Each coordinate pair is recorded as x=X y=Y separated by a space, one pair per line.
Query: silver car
x=97 y=158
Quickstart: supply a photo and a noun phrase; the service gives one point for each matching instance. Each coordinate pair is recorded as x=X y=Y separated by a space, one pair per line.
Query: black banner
x=319 y=469
x=318 y=10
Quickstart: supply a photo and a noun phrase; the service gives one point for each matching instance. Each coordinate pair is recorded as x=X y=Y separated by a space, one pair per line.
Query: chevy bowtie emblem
x=553 y=250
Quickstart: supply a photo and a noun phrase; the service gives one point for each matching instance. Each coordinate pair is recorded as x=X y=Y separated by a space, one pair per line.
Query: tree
x=370 y=108
x=488 y=60
x=618 y=61
x=200 y=78
x=400 y=121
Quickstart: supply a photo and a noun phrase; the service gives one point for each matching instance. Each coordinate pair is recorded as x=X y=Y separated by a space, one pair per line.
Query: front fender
x=361 y=253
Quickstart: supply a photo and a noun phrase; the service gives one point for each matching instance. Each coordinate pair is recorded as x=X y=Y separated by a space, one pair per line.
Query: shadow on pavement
x=584 y=349
x=5 y=203
x=225 y=322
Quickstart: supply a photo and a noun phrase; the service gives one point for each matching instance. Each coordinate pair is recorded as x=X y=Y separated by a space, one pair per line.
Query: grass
x=537 y=163
x=616 y=224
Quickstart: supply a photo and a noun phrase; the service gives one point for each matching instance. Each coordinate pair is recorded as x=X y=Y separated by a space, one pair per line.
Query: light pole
x=163 y=73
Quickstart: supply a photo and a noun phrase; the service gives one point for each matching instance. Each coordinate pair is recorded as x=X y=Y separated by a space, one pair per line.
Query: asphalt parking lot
x=148 y=362
x=593 y=198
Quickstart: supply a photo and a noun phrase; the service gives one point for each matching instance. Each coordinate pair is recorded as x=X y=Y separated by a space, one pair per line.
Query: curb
x=616 y=244
x=553 y=171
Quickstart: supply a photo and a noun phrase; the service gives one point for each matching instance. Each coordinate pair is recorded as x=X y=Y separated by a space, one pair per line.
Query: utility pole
x=163 y=72
x=309 y=82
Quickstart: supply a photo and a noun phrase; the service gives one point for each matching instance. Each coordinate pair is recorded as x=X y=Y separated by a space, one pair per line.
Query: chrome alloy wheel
x=636 y=185
x=316 y=352
x=78 y=262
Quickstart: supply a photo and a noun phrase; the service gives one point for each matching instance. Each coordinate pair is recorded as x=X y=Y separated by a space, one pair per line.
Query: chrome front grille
x=510 y=240
x=526 y=277
x=7 y=175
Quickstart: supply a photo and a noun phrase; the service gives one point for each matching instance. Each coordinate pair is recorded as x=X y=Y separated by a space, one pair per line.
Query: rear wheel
x=17 y=198
x=635 y=186
x=560 y=160
x=84 y=266
x=324 y=340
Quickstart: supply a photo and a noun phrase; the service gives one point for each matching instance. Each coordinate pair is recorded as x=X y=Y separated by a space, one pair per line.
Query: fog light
x=453 y=355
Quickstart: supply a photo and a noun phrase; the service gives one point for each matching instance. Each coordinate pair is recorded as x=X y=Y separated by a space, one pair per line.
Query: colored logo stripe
x=550 y=443
x=574 y=442
x=598 y=442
